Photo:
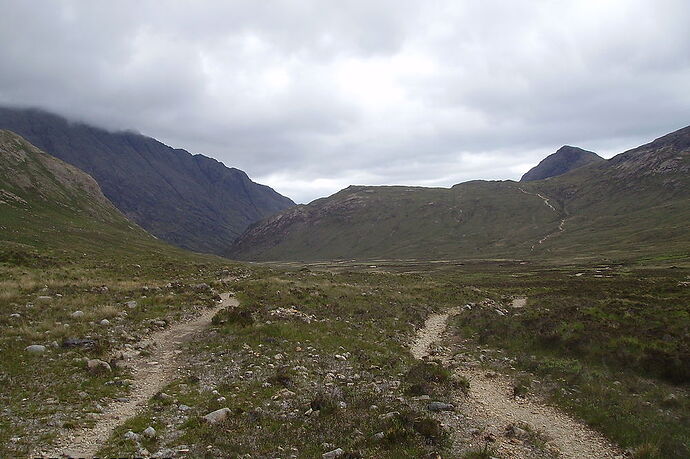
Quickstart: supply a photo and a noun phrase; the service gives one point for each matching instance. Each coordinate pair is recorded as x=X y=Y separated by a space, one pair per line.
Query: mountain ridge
x=602 y=207
x=189 y=200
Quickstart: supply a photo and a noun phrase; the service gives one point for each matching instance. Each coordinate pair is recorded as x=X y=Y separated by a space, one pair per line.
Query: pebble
x=149 y=432
x=105 y=322
x=77 y=314
x=96 y=366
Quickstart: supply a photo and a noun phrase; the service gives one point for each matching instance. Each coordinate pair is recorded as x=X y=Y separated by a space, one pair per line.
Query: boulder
x=217 y=416
x=96 y=366
x=440 y=406
x=333 y=454
x=35 y=349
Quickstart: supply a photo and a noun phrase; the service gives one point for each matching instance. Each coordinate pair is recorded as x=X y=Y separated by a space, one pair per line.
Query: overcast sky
x=311 y=96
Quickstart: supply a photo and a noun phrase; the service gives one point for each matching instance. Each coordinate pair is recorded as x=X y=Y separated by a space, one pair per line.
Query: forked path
x=149 y=374
x=491 y=401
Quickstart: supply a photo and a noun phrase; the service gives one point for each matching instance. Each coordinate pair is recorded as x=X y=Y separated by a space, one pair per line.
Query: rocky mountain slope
x=46 y=203
x=191 y=201
x=565 y=159
x=638 y=201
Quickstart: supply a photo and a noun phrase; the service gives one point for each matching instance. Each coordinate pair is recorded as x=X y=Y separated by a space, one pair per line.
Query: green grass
x=621 y=209
x=611 y=349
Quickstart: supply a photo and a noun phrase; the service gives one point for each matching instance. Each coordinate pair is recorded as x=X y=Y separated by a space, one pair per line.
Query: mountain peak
x=566 y=159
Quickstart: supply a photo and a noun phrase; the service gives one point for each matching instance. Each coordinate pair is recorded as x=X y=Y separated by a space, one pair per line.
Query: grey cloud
x=311 y=96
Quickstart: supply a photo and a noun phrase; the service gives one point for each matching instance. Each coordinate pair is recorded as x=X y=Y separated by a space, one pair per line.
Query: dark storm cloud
x=311 y=96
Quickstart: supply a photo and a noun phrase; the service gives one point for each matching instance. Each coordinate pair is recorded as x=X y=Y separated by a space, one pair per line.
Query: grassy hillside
x=403 y=222
x=48 y=206
x=65 y=248
x=635 y=204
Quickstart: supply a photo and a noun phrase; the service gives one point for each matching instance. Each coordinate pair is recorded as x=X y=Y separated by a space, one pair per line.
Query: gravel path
x=431 y=333
x=150 y=375
x=490 y=399
x=491 y=402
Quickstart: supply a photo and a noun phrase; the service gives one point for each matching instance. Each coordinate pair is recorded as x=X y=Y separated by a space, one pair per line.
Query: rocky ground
x=299 y=364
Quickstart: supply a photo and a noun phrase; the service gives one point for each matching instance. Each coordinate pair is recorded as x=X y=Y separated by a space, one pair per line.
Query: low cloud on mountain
x=312 y=96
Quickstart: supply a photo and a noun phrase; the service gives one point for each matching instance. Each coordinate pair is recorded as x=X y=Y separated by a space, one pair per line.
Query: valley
x=344 y=230
x=117 y=344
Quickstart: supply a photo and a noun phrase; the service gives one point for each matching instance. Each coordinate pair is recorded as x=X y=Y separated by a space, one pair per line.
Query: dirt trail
x=547 y=202
x=150 y=374
x=543 y=198
x=490 y=401
x=432 y=331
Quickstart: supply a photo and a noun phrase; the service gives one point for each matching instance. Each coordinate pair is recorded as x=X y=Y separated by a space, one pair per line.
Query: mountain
x=46 y=203
x=637 y=202
x=565 y=159
x=400 y=222
x=191 y=201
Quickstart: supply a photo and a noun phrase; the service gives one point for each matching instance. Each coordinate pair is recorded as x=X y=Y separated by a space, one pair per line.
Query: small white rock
x=333 y=454
x=35 y=349
x=217 y=416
